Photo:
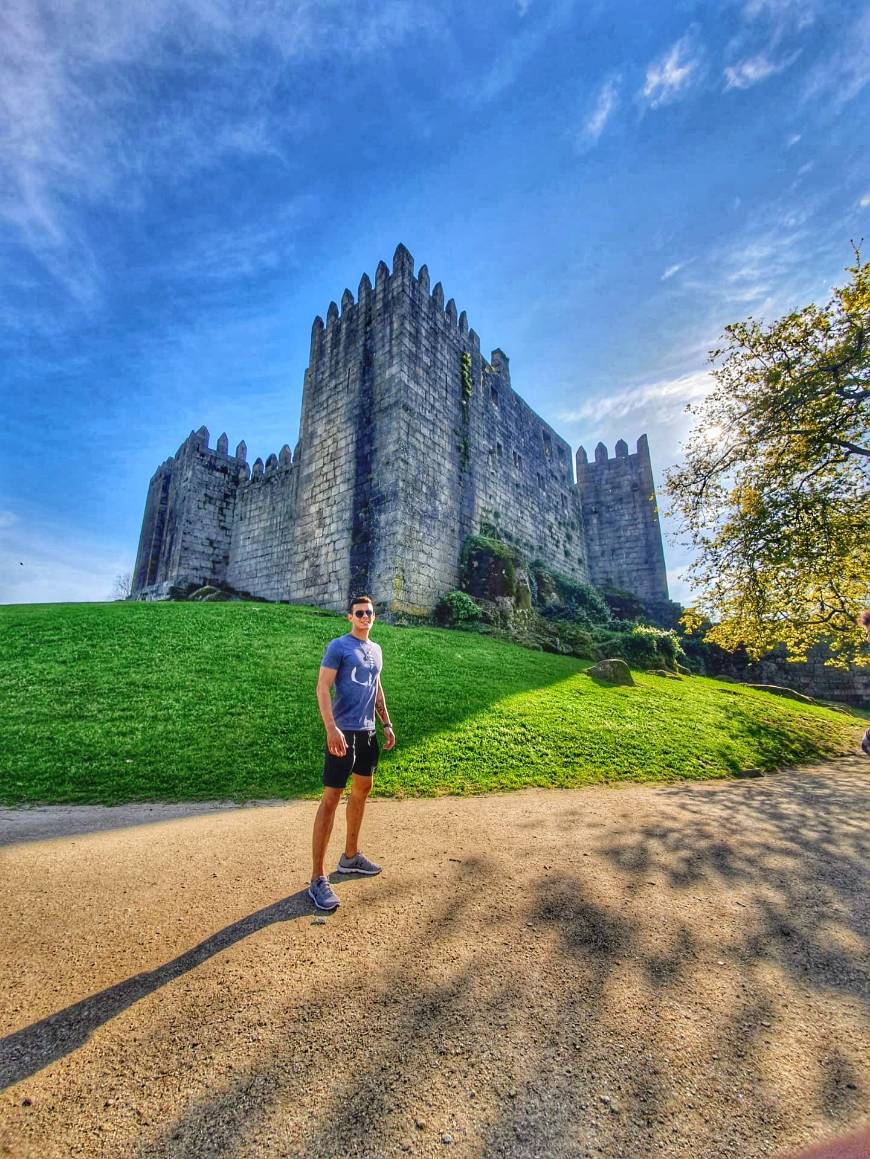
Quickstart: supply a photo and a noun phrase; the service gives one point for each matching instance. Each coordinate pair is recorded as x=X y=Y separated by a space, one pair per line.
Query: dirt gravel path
x=674 y=970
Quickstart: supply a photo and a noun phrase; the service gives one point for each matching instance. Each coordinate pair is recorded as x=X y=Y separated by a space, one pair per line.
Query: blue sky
x=184 y=184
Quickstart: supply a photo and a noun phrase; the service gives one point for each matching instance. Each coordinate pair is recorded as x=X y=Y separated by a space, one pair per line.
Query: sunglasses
x=359 y=615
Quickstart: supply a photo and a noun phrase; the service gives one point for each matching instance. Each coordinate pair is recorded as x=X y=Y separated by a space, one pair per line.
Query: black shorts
x=361 y=758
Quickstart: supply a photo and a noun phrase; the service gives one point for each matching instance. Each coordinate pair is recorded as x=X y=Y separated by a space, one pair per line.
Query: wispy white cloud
x=792 y=140
x=678 y=587
x=240 y=250
x=669 y=398
x=766 y=268
x=672 y=271
x=838 y=78
x=672 y=75
x=865 y=201
x=782 y=16
x=754 y=69
x=508 y=64
x=69 y=113
x=603 y=106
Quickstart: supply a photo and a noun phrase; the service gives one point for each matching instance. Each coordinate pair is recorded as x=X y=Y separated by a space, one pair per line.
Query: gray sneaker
x=322 y=894
x=358 y=864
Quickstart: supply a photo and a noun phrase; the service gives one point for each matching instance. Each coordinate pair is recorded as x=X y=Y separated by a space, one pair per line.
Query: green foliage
x=640 y=645
x=455 y=609
x=195 y=701
x=623 y=605
x=773 y=493
x=487 y=568
x=467 y=391
x=467 y=382
x=577 y=601
x=650 y=647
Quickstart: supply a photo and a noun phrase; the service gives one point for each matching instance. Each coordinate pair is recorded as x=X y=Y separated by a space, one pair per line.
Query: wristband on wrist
x=387 y=725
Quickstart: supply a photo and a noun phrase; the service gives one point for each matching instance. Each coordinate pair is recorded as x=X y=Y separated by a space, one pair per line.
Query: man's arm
x=335 y=741
x=384 y=717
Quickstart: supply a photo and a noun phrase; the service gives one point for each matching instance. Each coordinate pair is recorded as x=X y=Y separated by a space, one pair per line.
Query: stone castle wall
x=409 y=441
x=260 y=546
x=812 y=677
x=623 y=535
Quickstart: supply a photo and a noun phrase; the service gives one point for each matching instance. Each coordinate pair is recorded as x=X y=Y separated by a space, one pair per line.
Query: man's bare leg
x=356 y=803
x=323 y=829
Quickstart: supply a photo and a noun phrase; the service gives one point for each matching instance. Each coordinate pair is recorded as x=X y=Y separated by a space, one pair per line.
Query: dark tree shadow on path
x=28 y=1050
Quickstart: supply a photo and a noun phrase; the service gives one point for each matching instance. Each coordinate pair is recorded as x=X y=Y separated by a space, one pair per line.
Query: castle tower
x=411 y=441
x=189 y=518
x=623 y=535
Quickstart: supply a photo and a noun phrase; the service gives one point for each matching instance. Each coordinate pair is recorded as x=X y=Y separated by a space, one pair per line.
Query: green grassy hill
x=119 y=702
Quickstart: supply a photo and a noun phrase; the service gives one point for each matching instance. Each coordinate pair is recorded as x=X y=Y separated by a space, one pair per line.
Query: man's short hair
x=360 y=600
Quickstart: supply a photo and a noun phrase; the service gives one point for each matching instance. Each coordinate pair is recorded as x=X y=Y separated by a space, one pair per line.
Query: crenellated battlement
x=274 y=464
x=620 y=451
x=197 y=443
x=327 y=337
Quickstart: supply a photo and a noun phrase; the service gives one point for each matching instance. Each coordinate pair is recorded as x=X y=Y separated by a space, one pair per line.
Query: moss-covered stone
x=523 y=596
x=488 y=568
x=613 y=671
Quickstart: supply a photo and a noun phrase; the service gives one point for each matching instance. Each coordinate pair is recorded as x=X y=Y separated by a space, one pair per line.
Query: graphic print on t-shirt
x=358 y=665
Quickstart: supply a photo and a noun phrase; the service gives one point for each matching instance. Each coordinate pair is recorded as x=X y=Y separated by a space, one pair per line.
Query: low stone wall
x=815 y=678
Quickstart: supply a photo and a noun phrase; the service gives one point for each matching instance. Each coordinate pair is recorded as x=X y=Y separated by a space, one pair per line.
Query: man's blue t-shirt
x=357 y=664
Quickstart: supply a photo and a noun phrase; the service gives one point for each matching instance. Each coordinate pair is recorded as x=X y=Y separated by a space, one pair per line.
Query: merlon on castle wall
x=409 y=441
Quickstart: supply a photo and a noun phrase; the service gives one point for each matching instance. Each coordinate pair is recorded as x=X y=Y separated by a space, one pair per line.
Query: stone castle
x=409 y=442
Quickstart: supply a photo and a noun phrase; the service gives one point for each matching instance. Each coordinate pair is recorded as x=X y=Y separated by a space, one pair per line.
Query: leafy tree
x=774 y=492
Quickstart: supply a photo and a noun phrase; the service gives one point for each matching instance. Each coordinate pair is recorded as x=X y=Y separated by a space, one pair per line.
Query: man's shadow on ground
x=26 y=1051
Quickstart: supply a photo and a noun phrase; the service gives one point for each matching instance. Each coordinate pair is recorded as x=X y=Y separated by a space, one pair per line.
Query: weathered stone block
x=611 y=672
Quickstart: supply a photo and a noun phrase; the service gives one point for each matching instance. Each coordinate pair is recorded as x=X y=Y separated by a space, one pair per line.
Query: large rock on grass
x=611 y=672
x=779 y=690
x=203 y=593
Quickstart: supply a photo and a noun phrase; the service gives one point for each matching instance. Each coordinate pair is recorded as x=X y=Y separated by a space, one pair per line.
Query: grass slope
x=119 y=702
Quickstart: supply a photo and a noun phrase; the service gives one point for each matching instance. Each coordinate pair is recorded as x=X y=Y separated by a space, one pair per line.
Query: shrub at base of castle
x=611 y=672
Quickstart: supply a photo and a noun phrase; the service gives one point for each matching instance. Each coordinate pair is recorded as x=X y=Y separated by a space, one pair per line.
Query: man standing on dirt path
x=351 y=666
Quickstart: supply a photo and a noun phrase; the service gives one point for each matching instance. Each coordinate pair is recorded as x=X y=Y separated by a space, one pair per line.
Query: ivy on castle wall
x=467 y=384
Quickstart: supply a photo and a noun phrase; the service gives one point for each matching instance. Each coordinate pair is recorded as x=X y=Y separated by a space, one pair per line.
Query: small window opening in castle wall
x=518 y=461
x=498 y=449
x=561 y=451
x=564 y=502
x=493 y=396
x=548 y=445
